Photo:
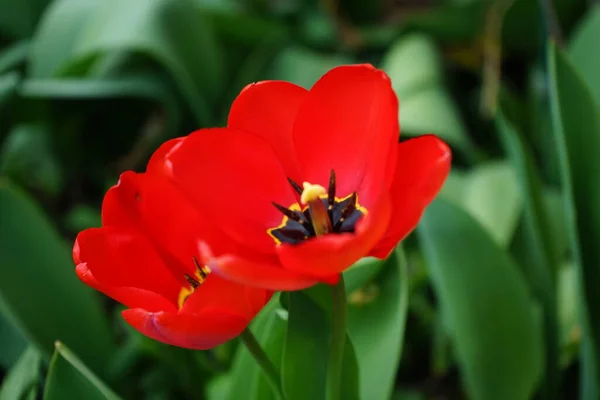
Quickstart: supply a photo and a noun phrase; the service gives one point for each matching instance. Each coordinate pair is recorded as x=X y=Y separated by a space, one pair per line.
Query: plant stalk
x=263 y=361
x=338 y=341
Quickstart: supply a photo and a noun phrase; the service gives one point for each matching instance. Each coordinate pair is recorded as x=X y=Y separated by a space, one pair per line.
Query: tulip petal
x=220 y=295
x=173 y=229
x=119 y=206
x=158 y=164
x=422 y=167
x=349 y=123
x=129 y=296
x=198 y=332
x=268 y=109
x=331 y=254
x=262 y=275
x=119 y=257
x=232 y=177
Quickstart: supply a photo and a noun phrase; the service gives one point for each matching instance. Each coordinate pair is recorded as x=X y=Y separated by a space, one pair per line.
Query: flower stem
x=263 y=362
x=338 y=341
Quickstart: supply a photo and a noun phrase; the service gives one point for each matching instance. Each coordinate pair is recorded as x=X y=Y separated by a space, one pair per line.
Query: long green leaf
x=576 y=118
x=171 y=32
x=21 y=381
x=8 y=86
x=39 y=288
x=12 y=343
x=69 y=378
x=13 y=56
x=376 y=323
x=142 y=85
x=19 y=17
x=485 y=300
x=582 y=49
x=543 y=265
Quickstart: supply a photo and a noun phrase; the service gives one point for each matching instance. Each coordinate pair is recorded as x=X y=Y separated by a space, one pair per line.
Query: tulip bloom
x=301 y=184
x=146 y=257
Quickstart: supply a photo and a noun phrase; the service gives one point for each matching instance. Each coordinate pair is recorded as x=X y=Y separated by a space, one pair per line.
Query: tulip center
x=321 y=213
x=201 y=274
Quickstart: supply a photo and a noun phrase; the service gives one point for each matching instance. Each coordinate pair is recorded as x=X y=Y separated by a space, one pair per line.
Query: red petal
x=129 y=296
x=331 y=254
x=268 y=109
x=118 y=257
x=158 y=162
x=155 y=207
x=232 y=177
x=349 y=123
x=422 y=167
x=262 y=275
x=119 y=206
x=198 y=332
x=222 y=296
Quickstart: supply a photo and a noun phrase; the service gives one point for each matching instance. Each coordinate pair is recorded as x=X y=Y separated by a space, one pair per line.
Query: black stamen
x=348 y=209
x=193 y=283
x=288 y=213
x=296 y=187
x=331 y=191
x=201 y=270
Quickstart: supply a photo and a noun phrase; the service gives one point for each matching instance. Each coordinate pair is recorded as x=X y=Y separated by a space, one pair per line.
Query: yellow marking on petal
x=184 y=294
x=195 y=281
x=311 y=192
x=356 y=205
x=293 y=207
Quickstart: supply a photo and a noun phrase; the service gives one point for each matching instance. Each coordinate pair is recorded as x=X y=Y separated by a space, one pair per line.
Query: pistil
x=311 y=196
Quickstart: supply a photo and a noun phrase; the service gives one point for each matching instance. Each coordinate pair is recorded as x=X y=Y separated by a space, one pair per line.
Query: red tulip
x=362 y=191
x=146 y=257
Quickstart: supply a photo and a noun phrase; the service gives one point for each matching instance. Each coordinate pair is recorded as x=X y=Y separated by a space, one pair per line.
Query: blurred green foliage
x=496 y=295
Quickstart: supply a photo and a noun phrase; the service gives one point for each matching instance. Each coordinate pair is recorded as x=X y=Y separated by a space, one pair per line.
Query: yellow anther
x=311 y=192
x=311 y=195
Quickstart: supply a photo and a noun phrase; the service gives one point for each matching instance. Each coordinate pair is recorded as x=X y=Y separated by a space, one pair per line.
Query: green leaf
x=26 y=156
x=173 y=33
x=449 y=22
x=413 y=65
x=19 y=17
x=21 y=381
x=542 y=264
x=8 y=85
x=14 y=55
x=490 y=194
x=69 y=378
x=583 y=47
x=430 y=110
x=142 y=85
x=568 y=313
x=244 y=28
x=307 y=347
x=57 y=35
x=246 y=378
x=361 y=272
x=576 y=118
x=485 y=300
x=82 y=217
x=376 y=323
x=413 y=62
x=39 y=288
x=12 y=343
